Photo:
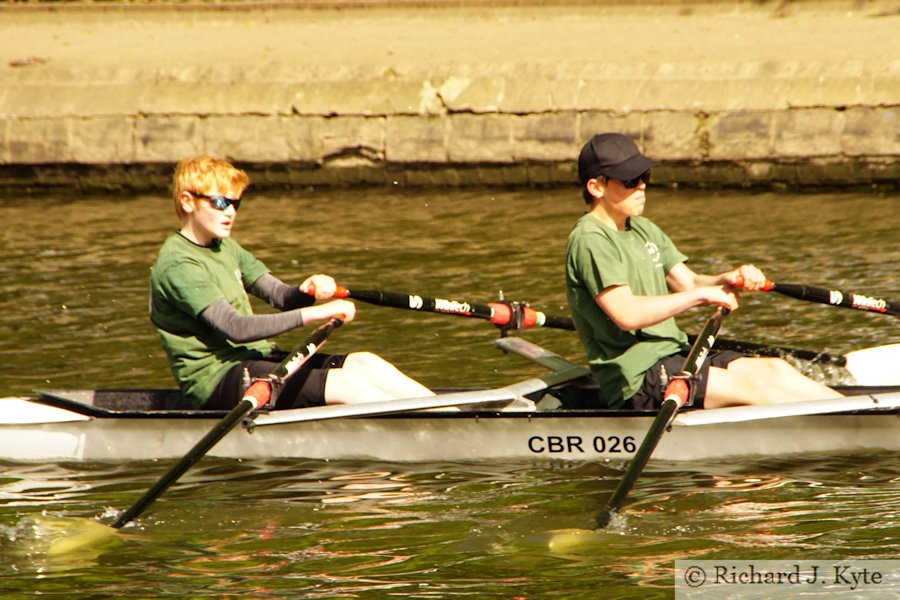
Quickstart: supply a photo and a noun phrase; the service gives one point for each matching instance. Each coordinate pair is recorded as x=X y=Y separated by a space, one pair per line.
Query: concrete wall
x=452 y=93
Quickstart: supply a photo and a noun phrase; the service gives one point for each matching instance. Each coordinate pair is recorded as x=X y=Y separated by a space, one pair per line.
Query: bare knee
x=761 y=367
x=365 y=360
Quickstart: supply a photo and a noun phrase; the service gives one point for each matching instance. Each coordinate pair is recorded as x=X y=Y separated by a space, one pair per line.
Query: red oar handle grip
x=339 y=291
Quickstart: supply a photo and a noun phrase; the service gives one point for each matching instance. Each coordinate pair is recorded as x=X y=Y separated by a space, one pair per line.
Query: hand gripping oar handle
x=678 y=392
x=258 y=394
x=834 y=297
x=506 y=315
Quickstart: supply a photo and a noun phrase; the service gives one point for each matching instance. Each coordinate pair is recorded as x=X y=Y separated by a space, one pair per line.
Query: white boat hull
x=436 y=436
x=495 y=424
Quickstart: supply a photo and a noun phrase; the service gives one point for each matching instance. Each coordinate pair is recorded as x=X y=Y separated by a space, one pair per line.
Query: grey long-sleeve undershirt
x=222 y=317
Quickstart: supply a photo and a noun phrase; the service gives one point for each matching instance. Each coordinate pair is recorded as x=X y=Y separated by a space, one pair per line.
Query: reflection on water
x=359 y=527
x=73 y=279
x=73 y=291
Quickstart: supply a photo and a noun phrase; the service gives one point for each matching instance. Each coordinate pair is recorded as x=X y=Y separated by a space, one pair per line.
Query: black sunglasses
x=633 y=183
x=220 y=202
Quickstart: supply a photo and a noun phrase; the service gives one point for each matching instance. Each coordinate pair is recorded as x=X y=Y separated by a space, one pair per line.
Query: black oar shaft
x=437 y=305
x=256 y=395
x=752 y=349
x=421 y=303
x=836 y=298
x=187 y=461
x=512 y=315
x=677 y=393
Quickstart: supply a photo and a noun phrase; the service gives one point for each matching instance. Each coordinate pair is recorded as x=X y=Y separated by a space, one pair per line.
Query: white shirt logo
x=653 y=251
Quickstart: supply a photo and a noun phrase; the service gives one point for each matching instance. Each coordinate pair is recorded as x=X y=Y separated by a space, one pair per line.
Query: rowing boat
x=521 y=421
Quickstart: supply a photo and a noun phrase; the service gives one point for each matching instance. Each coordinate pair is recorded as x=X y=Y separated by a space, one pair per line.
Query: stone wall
x=452 y=94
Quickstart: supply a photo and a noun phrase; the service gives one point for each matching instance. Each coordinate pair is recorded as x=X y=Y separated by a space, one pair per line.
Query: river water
x=73 y=297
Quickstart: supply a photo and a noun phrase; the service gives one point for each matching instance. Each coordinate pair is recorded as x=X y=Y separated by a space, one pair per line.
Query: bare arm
x=681 y=278
x=631 y=312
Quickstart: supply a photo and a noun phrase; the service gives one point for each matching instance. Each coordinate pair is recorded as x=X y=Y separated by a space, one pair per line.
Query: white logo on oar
x=835 y=297
x=415 y=302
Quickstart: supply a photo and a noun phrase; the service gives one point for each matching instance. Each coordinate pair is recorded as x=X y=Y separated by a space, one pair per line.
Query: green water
x=73 y=295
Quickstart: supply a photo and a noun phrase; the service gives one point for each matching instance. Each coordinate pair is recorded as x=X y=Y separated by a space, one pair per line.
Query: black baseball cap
x=611 y=155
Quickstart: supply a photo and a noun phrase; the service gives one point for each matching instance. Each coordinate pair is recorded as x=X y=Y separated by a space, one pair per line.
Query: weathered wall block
x=160 y=138
x=808 y=133
x=480 y=138
x=101 y=140
x=416 y=139
x=544 y=136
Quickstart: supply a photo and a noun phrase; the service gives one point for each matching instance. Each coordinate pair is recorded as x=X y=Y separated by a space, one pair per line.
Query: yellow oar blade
x=82 y=536
x=578 y=541
x=58 y=538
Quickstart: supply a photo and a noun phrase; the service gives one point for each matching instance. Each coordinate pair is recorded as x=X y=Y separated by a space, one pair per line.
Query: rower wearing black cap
x=625 y=283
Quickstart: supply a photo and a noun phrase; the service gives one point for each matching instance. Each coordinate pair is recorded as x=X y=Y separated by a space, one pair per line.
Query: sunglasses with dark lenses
x=221 y=202
x=633 y=183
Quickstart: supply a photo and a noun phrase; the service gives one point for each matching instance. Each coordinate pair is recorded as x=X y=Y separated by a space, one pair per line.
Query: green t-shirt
x=598 y=257
x=184 y=281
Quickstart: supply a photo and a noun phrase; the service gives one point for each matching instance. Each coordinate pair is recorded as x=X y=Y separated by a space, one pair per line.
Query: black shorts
x=305 y=388
x=650 y=394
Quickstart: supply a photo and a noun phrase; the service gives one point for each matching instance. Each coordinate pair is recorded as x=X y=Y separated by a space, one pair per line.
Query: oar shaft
x=257 y=395
x=420 y=303
x=243 y=408
x=751 y=348
x=835 y=297
x=498 y=313
x=677 y=393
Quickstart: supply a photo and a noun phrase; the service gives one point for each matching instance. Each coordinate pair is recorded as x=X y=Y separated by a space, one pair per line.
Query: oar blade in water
x=83 y=534
x=576 y=541
x=60 y=538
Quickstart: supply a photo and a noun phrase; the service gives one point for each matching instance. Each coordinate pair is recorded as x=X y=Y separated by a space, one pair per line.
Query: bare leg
x=366 y=377
x=762 y=381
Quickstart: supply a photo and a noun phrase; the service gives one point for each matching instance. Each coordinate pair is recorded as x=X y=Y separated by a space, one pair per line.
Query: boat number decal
x=452 y=306
x=575 y=444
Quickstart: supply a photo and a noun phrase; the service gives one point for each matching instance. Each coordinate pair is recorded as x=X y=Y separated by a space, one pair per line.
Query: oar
x=677 y=393
x=505 y=315
x=834 y=297
x=778 y=351
x=258 y=394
